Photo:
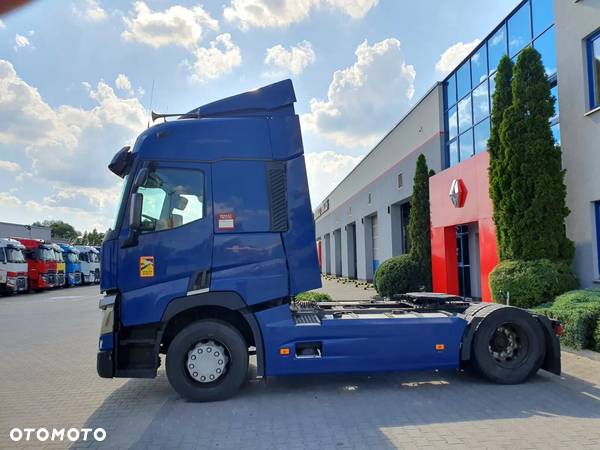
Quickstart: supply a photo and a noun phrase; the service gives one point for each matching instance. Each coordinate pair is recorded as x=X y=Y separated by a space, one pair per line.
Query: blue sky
x=76 y=80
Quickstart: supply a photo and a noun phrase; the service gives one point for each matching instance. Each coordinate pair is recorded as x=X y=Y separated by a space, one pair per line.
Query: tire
x=236 y=368
x=508 y=346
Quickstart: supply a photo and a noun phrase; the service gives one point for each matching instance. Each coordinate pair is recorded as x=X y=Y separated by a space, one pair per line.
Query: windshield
x=14 y=255
x=58 y=256
x=45 y=254
x=73 y=257
x=94 y=257
x=120 y=202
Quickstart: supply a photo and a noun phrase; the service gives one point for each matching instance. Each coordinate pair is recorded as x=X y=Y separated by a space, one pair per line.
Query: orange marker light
x=284 y=351
x=440 y=347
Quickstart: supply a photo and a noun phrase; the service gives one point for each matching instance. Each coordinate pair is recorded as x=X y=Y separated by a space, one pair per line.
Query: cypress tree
x=499 y=179
x=419 y=231
x=532 y=204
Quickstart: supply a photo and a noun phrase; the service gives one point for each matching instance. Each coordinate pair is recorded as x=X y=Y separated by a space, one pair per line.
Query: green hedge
x=397 y=275
x=312 y=296
x=530 y=283
x=579 y=313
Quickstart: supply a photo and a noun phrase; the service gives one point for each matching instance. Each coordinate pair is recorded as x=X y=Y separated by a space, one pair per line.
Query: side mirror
x=135 y=211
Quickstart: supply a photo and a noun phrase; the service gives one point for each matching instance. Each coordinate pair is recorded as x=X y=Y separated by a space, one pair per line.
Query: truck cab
x=89 y=259
x=61 y=279
x=41 y=263
x=13 y=267
x=73 y=266
x=214 y=238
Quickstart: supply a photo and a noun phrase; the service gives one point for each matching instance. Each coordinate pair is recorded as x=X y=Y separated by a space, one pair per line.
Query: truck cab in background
x=73 y=265
x=13 y=267
x=89 y=259
x=41 y=263
x=61 y=279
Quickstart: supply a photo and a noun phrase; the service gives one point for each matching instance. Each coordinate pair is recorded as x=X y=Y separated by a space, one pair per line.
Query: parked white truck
x=90 y=264
x=13 y=267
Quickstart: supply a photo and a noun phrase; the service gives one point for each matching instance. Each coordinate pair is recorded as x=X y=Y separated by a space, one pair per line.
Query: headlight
x=11 y=281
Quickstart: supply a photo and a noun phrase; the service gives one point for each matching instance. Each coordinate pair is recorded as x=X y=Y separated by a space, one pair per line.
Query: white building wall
x=580 y=130
x=420 y=131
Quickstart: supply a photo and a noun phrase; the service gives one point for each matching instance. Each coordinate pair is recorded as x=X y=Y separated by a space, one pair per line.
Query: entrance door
x=351 y=238
x=463 y=257
x=375 y=237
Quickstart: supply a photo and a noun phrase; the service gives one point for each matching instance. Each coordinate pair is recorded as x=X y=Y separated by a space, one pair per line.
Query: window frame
x=589 y=41
x=596 y=205
x=158 y=166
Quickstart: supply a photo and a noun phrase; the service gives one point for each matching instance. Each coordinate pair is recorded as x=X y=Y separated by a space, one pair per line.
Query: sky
x=78 y=79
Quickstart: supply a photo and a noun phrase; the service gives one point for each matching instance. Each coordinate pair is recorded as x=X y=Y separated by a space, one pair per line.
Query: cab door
x=171 y=253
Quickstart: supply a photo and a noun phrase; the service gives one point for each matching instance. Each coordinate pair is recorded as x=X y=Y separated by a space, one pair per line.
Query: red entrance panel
x=460 y=195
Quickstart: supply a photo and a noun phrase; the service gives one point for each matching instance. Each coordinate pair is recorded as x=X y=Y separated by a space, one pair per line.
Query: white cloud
x=176 y=25
x=9 y=166
x=90 y=10
x=219 y=58
x=8 y=201
x=77 y=135
x=2 y=24
x=123 y=83
x=365 y=99
x=453 y=56
x=325 y=170
x=21 y=42
x=269 y=14
x=294 y=60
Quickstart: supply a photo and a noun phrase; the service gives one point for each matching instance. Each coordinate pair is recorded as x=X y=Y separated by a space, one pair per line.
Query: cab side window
x=171 y=198
x=2 y=256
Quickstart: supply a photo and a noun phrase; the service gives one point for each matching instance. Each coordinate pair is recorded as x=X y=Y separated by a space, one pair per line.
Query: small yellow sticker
x=146 y=266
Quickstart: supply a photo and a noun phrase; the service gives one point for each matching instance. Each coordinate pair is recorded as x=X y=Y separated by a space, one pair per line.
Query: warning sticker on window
x=226 y=221
x=146 y=266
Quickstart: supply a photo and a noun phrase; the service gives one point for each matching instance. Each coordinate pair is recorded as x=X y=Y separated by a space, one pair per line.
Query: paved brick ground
x=47 y=378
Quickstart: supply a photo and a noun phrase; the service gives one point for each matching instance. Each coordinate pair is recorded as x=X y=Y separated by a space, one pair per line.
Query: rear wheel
x=207 y=361
x=508 y=346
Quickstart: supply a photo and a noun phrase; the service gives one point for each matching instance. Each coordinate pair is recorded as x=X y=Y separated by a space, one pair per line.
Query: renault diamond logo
x=457 y=193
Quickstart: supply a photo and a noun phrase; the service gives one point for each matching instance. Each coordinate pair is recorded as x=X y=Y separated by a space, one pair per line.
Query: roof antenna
x=151 y=99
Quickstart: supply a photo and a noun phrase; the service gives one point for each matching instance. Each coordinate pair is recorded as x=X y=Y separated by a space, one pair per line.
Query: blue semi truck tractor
x=73 y=269
x=213 y=238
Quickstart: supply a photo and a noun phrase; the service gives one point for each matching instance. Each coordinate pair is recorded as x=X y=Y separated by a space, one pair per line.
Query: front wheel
x=508 y=346
x=207 y=361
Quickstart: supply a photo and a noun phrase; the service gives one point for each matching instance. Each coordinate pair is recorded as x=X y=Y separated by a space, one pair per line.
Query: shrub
x=530 y=283
x=579 y=312
x=313 y=296
x=397 y=275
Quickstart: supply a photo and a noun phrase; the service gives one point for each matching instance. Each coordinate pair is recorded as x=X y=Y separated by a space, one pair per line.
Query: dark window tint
x=497 y=48
x=543 y=15
x=479 y=70
x=519 y=30
x=593 y=48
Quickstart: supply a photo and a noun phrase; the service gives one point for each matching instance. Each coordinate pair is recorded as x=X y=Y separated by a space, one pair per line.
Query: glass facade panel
x=546 y=45
x=465 y=116
x=479 y=69
x=466 y=145
x=482 y=135
x=543 y=15
x=481 y=103
x=453 y=153
x=497 y=48
x=519 y=30
x=492 y=90
x=452 y=123
x=593 y=48
x=463 y=80
x=556 y=133
x=451 y=90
